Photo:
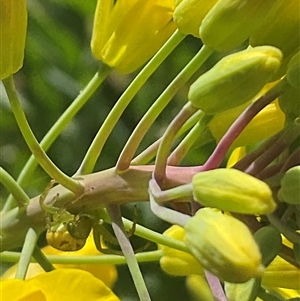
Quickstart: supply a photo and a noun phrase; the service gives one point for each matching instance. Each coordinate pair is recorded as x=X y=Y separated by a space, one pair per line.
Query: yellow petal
x=72 y=284
x=19 y=290
x=135 y=31
x=105 y=272
x=13 y=26
x=282 y=274
x=178 y=263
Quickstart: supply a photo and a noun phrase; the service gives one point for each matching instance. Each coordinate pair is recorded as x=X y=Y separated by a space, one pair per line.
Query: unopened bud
x=289 y=102
x=290 y=186
x=223 y=245
x=229 y=23
x=293 y=71
x=235 y=79
x=189 y=14
x=232 y=190
x=281 y=29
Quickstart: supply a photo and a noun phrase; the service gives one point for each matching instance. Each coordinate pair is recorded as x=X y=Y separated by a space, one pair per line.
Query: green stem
x=150 y=235
x=158 y=106
x=264 y=295
x=43 y=261
x=60 y=124
x=96 y=147
x=291 y=235
x=118 y=227
x=35 y=148
x=181 y=150
x=15 y=189
x=152 y=256
x=167 y=140
x=28 y=248
x=148 y=154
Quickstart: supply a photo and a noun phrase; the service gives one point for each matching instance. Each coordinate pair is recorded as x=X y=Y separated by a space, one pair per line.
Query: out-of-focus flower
x=126 y=34
x=189 y=14
x=13 y=28
x=265 y=124
x=229 y=23
x=281 y=29
x=235 y=79
x=236 y=155
x=62 y=284
x=105 y=272
x=223 y=245
x=232 y=190
x=178 y=263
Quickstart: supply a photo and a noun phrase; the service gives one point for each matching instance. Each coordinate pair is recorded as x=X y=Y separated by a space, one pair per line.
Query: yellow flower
x=178 y=263
x=62 y=284
x=128 y=33
x=105 y=272
x=13 y=26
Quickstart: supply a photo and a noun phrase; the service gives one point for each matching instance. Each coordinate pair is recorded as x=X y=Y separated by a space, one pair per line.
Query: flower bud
x=293 y=71
x=126 y=34
x=232 y=190
x=269 y=121
x=223 y=245
x=230 y=22
x=189 y=14
x=290 y=186
x=281 y=29
x=235 y=79
x=178 y=263
x=289 y=102
x=13 y=24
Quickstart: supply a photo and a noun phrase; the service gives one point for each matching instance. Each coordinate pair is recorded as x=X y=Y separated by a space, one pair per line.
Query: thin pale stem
x=14 y=188
x=60 y=125
x=151 y=256
x=169 y=215
x=27 y=250
x=40 y=155
x=148 y=154
x=182 y=149
x=167 y=140
x=158 y=106
x=215 y=286
x=118 y=227
x=96 y=147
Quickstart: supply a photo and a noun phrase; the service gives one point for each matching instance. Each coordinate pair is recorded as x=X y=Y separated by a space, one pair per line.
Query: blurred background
x=58 y=64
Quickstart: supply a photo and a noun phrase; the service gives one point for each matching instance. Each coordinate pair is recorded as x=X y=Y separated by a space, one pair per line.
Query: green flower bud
x=269 y=241
x=189 y=14
x=289 y=102
x=13 y=28
x=290 y=186
x=293 y=71
x=232 y=190
x=281 y=30
x=230 y=22
x=223 y=245
x=235 y=79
